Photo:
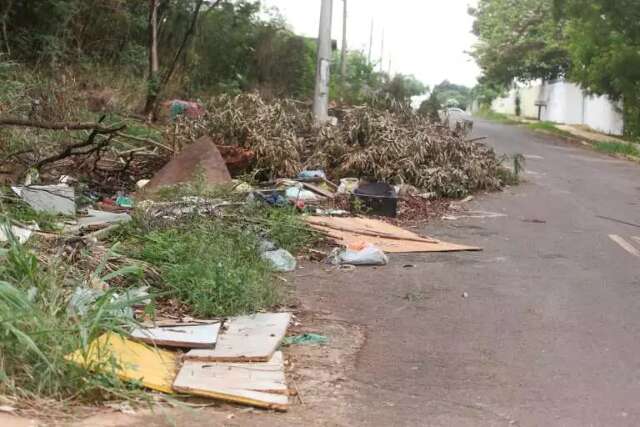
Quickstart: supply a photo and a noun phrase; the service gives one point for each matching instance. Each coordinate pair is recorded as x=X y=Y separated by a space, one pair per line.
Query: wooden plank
x=246 y=339
x=257 y=384
x=319 y=190
x=386 y=236
x=625 y=245
x=153 y=368
x=193 y=336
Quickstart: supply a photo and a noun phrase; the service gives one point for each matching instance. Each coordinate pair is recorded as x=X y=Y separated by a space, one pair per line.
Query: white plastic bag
x=369 y=255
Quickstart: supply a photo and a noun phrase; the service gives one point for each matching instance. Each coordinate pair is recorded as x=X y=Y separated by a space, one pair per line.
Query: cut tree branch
x=60 y=126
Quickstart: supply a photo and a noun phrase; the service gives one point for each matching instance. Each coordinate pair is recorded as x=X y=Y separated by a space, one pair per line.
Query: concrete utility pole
x=370 y=43
x=382 y=52
x=321 y=96
x=343 y=55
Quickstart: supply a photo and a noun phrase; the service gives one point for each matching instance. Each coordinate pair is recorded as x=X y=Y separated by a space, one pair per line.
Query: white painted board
x=193 y=336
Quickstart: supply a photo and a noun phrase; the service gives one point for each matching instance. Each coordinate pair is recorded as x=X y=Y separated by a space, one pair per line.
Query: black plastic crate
x=378 y=198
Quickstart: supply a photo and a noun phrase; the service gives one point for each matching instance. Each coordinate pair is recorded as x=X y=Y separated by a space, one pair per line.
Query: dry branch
x=59 y=126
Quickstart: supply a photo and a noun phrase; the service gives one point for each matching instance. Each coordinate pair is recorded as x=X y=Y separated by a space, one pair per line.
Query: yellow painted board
x=155 y=369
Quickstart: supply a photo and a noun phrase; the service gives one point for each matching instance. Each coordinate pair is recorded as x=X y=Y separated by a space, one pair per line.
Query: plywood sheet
x=153 y=368
x=351 y=231
x=246 y=339
x=192 y=336
x=260 y=384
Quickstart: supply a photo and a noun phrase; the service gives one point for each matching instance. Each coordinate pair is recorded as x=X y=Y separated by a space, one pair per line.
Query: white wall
x=566 y=103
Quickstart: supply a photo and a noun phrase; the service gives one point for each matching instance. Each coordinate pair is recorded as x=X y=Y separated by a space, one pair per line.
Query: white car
x=457 y=119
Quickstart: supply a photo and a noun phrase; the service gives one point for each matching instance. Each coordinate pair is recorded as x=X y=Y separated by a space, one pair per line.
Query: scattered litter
x=95 y=217
x=465 y=295
x=83 y=298
x=351 y=231
x=466 y=200
x=331 y=212
x=266 y=246
x=200 y=158
x=364 y=254
x=348 y=185
x=270 y=197
x=124 y=202
x=280 y=260
x=409 y=266
x=7 y=409
x=55 y=199
x=378 y=198
x=192 y=336
x=305 y=339
x=257 y=384
x=298 y=193
x=347 y=267
x=318 y=189
x=142 y=183
x=246 y=339
x=304 y=175
x=22 y=234
x=153 y=368
x=178 y=107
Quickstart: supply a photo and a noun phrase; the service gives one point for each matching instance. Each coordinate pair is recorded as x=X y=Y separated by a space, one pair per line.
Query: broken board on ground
x=246 y=339
x=153 y=368
x=258 y=384
x=350 y=231
x=192 y=336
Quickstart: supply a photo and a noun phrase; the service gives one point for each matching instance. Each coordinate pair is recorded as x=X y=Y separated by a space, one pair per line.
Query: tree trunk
x=154 y=64
x=5 y=17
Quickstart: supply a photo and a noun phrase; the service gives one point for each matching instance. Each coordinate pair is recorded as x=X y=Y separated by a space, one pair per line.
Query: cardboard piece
x=257 y=384
x=55 y=199
x=153 y=368
x=192 y=336
x=246 y=339
x=347 y=231
x=200 y=157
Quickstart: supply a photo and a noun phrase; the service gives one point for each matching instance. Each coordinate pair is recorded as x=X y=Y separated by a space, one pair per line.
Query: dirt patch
x=317 y=376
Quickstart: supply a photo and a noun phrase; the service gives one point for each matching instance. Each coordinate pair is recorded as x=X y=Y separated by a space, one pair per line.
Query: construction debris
x=191 y=336
x=247 y=339
x=153 y=368
x=200 y=159
x=351 y=231
x=55 y=199
x=257 y=384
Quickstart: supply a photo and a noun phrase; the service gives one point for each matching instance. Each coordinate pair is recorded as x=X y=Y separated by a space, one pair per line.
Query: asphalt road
x=549 y=334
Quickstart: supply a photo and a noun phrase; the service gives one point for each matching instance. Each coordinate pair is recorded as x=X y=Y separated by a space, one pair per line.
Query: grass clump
x=37 y=332
x=612 y=147
x=549 y=127
x=488 y=114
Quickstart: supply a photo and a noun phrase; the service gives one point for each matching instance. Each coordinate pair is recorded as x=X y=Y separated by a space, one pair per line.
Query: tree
x=431 y=107
x=603 y=40
x=404 y=87
x=519 y=39
x=453 y=95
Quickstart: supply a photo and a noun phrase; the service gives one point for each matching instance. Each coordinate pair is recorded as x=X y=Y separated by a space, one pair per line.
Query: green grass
x=612 y=147
x=490 y=115
x=213 y=265
x=549 y=127
x=37 y=331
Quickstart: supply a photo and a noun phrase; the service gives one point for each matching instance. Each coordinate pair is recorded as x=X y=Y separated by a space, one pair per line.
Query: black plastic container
x=378 y=198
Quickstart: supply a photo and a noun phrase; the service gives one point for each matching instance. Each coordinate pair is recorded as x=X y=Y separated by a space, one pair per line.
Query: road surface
x=549 y=334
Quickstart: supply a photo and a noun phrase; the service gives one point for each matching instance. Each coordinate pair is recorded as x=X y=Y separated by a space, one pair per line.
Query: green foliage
x=488 y=114
x=604 y=45
x=214 y=269
x=431 y=107
x=37 y=332
x=519 y=40
x=403 y=87
x=452 y=95
x=623 y=148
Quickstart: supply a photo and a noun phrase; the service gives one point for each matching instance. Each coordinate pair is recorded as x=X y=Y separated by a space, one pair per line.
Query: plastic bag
x=368 y=255
x=281 y=260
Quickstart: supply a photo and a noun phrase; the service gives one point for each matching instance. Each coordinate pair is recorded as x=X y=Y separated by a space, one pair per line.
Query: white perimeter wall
x=566 y=103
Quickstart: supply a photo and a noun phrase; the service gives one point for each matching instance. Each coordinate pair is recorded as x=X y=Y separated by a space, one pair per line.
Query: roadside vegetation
x=618 y=148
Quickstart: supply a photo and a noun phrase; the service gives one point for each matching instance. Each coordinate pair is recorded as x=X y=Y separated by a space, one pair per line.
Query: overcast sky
x=427 y=38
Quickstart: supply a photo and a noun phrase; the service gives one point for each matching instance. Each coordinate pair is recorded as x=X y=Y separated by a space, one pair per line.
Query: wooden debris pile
x=394 y=145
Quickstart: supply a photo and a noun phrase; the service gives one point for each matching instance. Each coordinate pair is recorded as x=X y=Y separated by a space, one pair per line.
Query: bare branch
x=59 y=126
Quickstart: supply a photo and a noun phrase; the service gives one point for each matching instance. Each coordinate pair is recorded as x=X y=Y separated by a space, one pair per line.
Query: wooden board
x=392 y=242
x=192 y=336
x=319 y=190
x=256 y=384
x=153 y=368
x=246 y=339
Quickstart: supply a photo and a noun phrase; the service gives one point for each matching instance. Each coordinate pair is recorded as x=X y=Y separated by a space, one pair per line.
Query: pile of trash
x=397 y=146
